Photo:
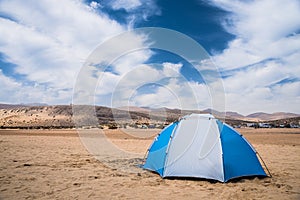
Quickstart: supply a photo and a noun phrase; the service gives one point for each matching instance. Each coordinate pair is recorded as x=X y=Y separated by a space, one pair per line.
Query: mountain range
x=39 y=115
x=258 y=116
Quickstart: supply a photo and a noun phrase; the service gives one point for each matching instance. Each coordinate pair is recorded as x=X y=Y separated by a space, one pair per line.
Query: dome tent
x=199 y=145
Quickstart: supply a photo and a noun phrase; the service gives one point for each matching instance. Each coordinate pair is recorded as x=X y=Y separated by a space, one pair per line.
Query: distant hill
x=20 y=116
x=61 y=116
x=234 y=115
x=255 y=117
x=34 y=104
x=287 y=122
x=134 y=109
x=11 y=106
x=274 y=116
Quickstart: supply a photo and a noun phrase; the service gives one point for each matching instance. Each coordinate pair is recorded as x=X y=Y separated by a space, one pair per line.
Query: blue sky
x=254 y=44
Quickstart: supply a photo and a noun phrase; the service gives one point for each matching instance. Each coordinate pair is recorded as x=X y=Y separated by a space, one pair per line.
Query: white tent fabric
x=198 y=143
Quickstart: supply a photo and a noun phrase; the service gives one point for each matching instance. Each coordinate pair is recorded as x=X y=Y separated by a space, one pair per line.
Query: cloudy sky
x=255 y=46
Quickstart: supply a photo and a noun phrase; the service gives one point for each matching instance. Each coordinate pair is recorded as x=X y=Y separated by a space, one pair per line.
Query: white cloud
x=124 y=50
x=176 y=94
x=48 y=41
x=263 y=53
x=163 y=97
x=263 y=29
x=283 y=98
x=264 y=20
x=171 y=69
x=131 y=60
x=126 y=84
x=202 y=95
x=7 y=86
x=14 y=91
x=262 y=88
x=137 y=10
x=37 y=57
x=95 y=5
x=171 y=88
x=128 y=5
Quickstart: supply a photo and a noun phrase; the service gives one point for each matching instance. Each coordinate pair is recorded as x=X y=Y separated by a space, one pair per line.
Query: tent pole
x=146 y=155
x=270 y=175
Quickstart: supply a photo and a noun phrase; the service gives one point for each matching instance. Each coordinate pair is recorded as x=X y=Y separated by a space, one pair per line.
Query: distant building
x=264 y=125
x=250 y=124
x=144 y=126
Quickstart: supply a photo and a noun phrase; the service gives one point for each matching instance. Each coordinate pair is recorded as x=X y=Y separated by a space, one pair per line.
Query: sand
x=54 y=164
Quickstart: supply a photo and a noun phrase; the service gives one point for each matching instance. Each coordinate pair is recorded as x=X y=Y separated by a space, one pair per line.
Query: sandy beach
x=54 y=164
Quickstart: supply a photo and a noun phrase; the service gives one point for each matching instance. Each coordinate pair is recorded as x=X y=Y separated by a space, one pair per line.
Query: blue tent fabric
x=239 y=158
x=157 y=152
